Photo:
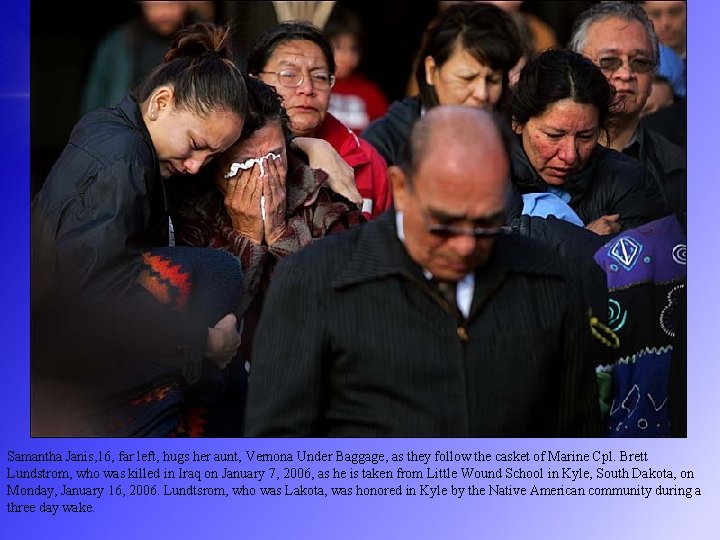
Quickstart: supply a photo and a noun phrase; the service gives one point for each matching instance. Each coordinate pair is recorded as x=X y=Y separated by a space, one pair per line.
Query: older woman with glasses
x=297 y=60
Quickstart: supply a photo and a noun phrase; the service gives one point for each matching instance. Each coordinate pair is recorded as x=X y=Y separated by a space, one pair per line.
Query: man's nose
x=463 y=244
x=624 y=73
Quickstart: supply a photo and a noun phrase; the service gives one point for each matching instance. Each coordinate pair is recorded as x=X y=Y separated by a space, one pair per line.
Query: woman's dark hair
x=485 y=31
x=555 y=75
x=264 y=105
x=200 y=69
x=282 y=33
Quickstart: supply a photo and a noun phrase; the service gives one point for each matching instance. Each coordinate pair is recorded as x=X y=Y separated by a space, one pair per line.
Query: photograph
x=338 y=259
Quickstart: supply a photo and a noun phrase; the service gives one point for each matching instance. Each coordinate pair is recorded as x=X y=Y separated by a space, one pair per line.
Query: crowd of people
x=503 y=253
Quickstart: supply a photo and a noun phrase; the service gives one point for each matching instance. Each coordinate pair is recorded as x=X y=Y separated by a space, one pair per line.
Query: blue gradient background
x=358 y=517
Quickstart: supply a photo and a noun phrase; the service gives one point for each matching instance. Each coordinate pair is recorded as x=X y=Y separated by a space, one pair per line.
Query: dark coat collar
x=129 y=109
x=379 y=253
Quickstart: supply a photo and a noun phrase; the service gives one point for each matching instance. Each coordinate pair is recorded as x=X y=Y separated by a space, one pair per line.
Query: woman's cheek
x=544 y=149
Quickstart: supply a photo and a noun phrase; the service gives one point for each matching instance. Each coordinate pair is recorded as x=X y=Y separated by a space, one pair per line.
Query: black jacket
x=354 y=341
x=670 y=122
x=389 y=132
x=100 y=207
x=576 y=247
x=610 y=183
x=667 y=164
x=102 y=203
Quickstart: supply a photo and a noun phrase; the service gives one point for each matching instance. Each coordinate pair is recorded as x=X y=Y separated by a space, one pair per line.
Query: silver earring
x=153 y=114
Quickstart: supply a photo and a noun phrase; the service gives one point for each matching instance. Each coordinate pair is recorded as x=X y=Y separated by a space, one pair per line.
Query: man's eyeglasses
x=449 y=231
x=292 y=79
x=610 y=64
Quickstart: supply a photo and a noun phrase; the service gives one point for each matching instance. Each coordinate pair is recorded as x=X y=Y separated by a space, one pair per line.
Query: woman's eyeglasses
x=292 y=79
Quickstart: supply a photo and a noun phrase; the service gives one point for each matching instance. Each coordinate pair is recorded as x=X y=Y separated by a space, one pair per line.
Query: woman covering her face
x=262 y=204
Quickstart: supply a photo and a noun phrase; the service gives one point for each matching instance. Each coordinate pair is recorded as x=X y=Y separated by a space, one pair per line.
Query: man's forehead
x=602 y=37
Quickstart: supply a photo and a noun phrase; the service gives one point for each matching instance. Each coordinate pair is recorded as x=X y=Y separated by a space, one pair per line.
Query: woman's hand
x=274 y=192
x=607 y=224
x=341 y=176
x=242 y=203
x=223 y=341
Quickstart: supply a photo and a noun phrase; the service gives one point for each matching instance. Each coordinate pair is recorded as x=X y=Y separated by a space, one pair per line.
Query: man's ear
x=517 y=128
x=399 y=183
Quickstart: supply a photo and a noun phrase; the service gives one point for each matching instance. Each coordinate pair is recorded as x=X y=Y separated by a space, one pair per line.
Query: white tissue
x=234 y=167
x=248 y=164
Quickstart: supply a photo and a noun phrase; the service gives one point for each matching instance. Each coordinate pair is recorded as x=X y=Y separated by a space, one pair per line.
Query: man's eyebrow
x=444 y=215
x=618 y=51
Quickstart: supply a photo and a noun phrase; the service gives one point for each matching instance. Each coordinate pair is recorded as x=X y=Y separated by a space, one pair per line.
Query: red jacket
x=356 y=101
x=370 y=168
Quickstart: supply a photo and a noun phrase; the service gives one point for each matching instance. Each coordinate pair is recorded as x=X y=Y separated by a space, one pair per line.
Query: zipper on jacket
x=462 y=330
x=461 y=321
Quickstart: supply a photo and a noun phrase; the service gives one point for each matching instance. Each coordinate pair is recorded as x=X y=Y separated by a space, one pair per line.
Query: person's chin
x=456 y=271
x=627 y=105
x=669 y=40
x=447 y=275
x=305 y=125
x=555 y=179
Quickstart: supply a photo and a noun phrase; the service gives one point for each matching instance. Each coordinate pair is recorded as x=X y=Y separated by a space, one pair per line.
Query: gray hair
x=608 y=10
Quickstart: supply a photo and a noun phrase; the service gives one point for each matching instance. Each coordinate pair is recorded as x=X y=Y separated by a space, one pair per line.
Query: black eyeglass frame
x=447 y=231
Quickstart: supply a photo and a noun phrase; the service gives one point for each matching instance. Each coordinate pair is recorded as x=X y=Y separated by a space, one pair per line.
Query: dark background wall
x=64 y=37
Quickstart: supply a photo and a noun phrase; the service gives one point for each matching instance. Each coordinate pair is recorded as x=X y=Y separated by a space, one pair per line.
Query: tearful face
x=559 y=142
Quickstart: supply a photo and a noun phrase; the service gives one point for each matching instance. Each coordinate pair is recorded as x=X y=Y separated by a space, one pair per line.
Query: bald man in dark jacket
x=361 y=334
